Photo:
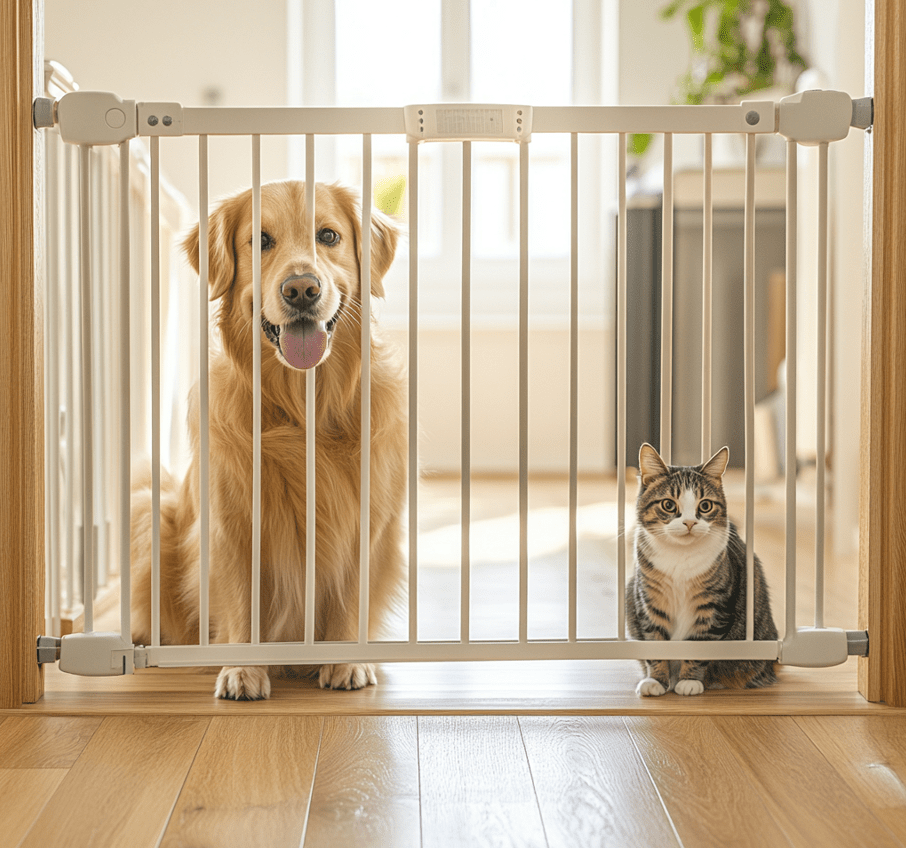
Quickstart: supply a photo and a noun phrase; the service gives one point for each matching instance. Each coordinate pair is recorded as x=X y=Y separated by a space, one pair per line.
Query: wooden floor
x=398 y=781
x=463 y=754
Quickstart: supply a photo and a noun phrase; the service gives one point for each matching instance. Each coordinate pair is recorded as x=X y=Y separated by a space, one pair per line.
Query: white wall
x=834 y=34
x=228 y=53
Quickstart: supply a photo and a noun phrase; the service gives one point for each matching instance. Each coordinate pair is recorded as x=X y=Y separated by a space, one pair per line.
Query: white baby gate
x=91 y=119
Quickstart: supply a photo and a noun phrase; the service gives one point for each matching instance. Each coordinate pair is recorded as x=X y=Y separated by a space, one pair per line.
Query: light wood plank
x=31 y=742
x=122 y=788
x=250 y=784
x=802 y=791
x=476 y=788
x=366 y=789
x=591 y=784
x=703 y=787
x=25 y=792
x=870 y=754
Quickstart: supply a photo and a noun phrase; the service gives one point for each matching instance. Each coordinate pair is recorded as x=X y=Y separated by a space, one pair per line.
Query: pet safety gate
x=92 y=119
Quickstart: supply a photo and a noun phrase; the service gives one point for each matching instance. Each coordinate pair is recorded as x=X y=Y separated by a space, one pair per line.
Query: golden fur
x=282 y=449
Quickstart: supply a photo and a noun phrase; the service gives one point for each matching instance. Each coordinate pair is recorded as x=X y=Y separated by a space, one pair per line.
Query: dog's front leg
x=342 y=625
x=240 y=683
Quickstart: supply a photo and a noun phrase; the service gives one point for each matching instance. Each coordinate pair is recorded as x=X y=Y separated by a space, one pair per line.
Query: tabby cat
x=690 y=577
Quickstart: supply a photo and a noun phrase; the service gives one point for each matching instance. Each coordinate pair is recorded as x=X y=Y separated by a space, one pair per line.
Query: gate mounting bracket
x=819 y=647
x=88 y=654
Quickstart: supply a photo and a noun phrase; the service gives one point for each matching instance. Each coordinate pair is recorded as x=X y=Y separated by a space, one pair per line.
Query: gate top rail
x=101 y=118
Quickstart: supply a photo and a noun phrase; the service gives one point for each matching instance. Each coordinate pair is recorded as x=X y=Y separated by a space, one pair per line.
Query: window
x=537 y=52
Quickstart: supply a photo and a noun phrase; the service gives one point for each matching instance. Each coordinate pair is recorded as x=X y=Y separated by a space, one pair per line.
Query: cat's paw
x=649 y=688
x=689 y=687
x=346 y=676
x=243 y=683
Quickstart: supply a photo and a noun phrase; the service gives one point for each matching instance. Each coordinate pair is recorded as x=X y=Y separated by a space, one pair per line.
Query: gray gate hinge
x=857 y=643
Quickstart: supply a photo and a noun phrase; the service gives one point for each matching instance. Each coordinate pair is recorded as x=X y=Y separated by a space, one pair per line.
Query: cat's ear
x=651 y=465
x=715 y=467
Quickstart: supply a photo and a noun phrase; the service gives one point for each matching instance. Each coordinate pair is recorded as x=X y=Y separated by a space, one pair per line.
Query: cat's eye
x=705 y=506
x=328 y=236
x=668 y=505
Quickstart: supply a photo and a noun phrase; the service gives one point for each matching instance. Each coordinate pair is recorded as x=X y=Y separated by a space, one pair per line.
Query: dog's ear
x=222 y=224
x=385 y=234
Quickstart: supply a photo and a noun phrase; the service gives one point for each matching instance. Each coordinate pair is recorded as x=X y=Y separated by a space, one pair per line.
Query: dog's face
x=307 y=290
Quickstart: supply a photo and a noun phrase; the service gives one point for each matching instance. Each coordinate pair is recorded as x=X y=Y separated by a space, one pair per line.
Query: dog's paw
x=689 y=687
x=243 y=683
x=346 y=676
x=649 y=688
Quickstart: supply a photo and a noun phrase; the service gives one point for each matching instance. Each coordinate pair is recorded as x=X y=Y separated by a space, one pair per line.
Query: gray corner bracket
x=43 y=113
x=48 y=649
x=863 y=113
x=857 y=641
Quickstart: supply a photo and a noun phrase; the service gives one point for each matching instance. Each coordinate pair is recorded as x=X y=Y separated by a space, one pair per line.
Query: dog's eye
x=328 y=236
x=267 y=241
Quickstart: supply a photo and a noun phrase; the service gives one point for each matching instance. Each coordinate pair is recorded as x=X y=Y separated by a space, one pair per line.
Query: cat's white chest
x=683 y=612
x=681 y=566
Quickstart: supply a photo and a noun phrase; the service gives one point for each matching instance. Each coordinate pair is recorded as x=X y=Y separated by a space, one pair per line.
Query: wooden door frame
x=21 y=362
x=882 y=567
x=882 y=531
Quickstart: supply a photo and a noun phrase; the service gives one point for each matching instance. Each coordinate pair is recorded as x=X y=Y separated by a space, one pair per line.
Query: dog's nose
x=301 y=291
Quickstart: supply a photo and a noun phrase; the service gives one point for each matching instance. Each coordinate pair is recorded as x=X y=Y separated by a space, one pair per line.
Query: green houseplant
x=739 y=47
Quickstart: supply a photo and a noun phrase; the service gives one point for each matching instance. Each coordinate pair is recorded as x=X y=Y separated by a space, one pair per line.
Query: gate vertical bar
x=466 y=406
x=204 y=428
x=792 y=243
x=523 y=388
x=52 y=519
x=621 y=387
x=155 y=390
x=707 y=294
x=100 y=300
x=87 y=387
x=572 y=549
x=413 y=392
x=310 y=410
x=256 y=390
x=749 y=342
x=125 y=393
x=365 y=520
x=666 y=446
x=821 y=380
x=69 y=371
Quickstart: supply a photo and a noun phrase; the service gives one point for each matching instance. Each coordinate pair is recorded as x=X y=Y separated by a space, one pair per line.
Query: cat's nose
x=690 y=523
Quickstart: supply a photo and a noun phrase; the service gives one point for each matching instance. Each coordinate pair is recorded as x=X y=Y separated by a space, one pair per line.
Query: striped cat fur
x=689 y=580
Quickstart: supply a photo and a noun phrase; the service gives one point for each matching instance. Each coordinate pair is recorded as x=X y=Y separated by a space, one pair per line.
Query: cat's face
x=682 y=506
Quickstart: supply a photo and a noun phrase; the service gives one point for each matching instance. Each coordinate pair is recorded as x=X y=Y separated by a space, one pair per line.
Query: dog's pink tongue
x=304 y=344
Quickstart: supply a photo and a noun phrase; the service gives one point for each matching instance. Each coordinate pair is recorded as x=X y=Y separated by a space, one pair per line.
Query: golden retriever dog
x=310 y=317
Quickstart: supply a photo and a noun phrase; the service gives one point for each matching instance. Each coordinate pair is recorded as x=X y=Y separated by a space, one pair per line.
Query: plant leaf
x=695 y=18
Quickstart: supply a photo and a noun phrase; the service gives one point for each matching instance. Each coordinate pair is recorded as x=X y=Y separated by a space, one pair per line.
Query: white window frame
x=311 y=70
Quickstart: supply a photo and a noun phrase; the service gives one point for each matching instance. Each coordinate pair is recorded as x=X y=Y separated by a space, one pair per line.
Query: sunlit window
x=522 y=51
x=387 y=53
x=492 y=51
